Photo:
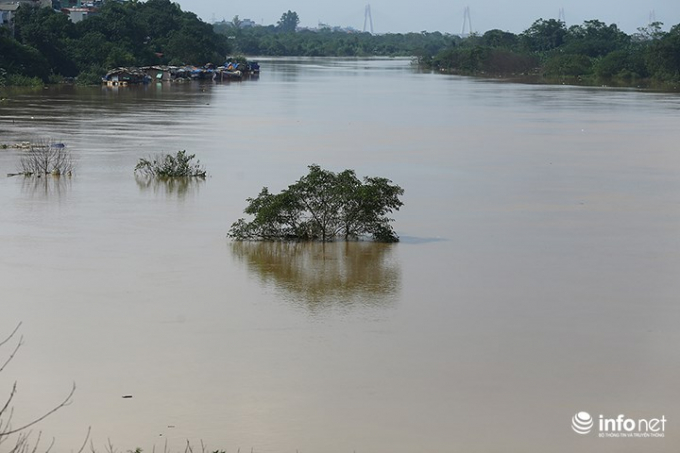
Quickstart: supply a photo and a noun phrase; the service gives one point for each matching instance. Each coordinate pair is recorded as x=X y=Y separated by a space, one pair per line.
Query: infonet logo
x=582 y=423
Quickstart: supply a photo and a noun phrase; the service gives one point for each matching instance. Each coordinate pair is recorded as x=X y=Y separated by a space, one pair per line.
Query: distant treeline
x=47 y=46
x=593 y=51
x=275 y=40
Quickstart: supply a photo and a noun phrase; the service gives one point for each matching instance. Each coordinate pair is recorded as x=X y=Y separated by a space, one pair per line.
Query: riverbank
x=585 y=81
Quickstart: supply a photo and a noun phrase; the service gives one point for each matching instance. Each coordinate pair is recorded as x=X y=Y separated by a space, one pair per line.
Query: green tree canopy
x=544 y=35
x=16 y=58
x=663 y=57
x=324 y=206
x=593 y=52
x=499 y=38
x=121 y=34
x=594 y=39
x=288 y=22
x=49 y=33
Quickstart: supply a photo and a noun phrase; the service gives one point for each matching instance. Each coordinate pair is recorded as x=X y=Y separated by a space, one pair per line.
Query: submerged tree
x=169 y=166
x=46 y=157
x=323 y=206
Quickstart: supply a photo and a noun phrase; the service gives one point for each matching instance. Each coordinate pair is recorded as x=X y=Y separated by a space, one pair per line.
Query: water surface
x=538 y=275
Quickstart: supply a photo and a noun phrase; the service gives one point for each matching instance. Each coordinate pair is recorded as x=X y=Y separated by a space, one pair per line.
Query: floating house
x=161 y=73
x=125 y=76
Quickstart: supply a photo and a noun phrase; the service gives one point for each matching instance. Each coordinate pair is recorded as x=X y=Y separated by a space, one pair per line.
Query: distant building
x=7 y=12
x=76 y=15
x=247 y=23
x=76 y=10
x=81 y=3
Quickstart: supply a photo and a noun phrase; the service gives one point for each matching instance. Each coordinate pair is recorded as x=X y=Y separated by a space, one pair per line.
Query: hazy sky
x=438 y=15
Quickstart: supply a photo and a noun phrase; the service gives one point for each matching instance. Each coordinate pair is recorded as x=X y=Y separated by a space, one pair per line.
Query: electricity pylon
x=368 y=18
x=466 y=21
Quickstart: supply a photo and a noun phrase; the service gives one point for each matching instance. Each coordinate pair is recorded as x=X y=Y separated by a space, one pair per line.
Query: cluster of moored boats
x=231 y=70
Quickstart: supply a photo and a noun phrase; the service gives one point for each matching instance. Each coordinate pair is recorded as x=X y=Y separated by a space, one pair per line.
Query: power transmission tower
x=652 y=17
x=561 y=17
x=368 y=18
x=466 y=21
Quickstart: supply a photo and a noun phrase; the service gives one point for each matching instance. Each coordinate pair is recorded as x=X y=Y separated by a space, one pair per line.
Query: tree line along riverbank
x=46 y=47
x=593 y=52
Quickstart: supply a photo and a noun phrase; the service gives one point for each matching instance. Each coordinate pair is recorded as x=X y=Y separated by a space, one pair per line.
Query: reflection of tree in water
x=48 y=186
x=180 y=187
x=323 y=276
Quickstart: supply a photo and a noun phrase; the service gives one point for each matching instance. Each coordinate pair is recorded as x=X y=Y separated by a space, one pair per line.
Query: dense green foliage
x=591 y=51
x=168 y=166
x=47 y=44
x=280 y=41
x=323 y=206
x=288 y=22
x=18 y=60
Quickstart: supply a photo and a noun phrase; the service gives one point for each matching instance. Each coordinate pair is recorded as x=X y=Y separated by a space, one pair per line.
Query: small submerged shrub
x=169 y=166
x=45 y=157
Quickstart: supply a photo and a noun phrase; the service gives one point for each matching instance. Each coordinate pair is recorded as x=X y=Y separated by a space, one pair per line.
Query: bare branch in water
x=89 y=429
x=11 y=356
x=109 y=447
x=64 y=403
x=11 y=335
x=20 y=442
x=45 y=157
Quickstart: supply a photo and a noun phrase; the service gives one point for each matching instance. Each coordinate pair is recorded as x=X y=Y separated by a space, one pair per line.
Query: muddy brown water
x=538 y=275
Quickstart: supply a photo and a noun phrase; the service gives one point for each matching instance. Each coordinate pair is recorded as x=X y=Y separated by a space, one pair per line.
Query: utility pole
x=368 y=18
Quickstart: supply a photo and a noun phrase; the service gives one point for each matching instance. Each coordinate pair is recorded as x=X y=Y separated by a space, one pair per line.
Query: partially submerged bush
x=46 y=157
x=323 y=206
x=169 y=166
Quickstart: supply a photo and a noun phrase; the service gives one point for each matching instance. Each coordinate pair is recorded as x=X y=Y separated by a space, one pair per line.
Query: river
x=537 y=276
